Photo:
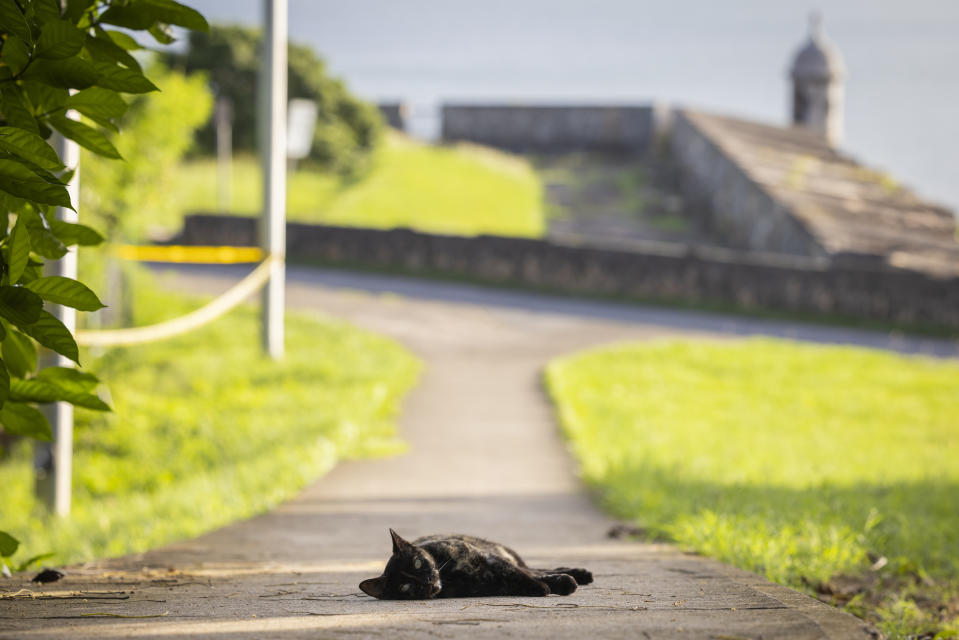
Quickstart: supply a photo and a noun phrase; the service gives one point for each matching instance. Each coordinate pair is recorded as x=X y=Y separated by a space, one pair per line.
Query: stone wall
x=548 y=129
x=734 y=206
x=650 y=271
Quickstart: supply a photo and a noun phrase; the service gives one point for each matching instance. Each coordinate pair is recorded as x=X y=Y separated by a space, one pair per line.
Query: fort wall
x=734 y=206
x=552 y=129
x=643 y=270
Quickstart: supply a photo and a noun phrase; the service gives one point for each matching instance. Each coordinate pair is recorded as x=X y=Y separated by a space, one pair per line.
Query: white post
x=272 y=128
x=54 y=461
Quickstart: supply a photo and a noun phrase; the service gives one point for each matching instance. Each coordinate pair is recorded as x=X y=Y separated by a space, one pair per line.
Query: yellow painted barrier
x=188 y=254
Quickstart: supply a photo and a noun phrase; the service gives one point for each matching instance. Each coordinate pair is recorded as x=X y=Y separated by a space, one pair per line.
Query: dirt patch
x=916 y=605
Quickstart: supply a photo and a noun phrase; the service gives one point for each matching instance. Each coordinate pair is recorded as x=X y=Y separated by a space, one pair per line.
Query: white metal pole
x=54 y=461
x=272 y=103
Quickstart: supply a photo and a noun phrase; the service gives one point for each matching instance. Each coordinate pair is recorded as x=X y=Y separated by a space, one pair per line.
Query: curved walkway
x=484 y=459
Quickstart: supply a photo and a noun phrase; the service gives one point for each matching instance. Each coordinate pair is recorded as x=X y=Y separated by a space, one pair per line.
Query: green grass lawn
x=805 y=463
x=206 y=430
x=462 y=190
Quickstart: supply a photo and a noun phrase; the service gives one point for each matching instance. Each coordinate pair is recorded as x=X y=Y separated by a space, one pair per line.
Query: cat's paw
x=562 y=584
x=581 y=576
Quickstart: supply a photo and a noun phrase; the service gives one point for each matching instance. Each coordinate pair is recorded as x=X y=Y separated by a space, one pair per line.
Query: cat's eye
x=417 y=563
x=404 y=588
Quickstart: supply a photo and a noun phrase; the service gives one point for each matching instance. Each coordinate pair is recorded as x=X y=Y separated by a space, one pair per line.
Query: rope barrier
x=195 y=319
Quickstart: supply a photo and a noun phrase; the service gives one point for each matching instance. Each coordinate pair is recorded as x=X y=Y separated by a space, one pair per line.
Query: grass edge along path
x=828 y=469
x=207 y=430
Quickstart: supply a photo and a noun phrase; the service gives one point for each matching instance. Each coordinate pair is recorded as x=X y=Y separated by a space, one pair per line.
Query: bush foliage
x=123 y=199
x=57 y=57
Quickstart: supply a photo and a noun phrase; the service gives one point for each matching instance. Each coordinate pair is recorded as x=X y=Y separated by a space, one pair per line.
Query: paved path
x=485 y=459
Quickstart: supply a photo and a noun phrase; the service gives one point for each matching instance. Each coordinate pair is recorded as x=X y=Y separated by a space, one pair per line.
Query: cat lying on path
x=457 y=566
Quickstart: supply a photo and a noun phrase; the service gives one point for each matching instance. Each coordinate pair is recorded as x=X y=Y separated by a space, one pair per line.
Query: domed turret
x=817 y=72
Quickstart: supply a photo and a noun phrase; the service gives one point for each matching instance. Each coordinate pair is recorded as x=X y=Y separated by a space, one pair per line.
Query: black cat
x=462 y=566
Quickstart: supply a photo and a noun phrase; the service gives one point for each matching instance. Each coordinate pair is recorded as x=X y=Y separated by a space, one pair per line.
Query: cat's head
x=410 y=574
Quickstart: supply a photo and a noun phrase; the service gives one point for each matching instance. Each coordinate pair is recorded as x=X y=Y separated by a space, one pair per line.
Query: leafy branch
x=56 y=57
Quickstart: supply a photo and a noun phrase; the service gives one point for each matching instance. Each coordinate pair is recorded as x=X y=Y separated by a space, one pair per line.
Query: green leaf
x=15 y=108
x=42 y=240
x=76 y=8
x=69 y=378
x=59 y=39
x=101 y=105
x=144 y=14
x=13 y=21
x=15 y=54
x=102 y=48
x=107 y=103
x=172 y=12
x=85 y=136
x=19 y=353
x=47 y=176
x=124 y=40
x=69 y=73
x=30 y=274
x=66 y=291
x=162 y=33
x=44 y=98
x=46 y=11
x=30 y=146
x=71 y=233
x=118 y=78
x=8 y=544
x=22 y=181
x=45 y=391
x=52 y=334
x=19 y=249
x=24 y=420
x=4 y=383
x=20 y=306
x=134 y=15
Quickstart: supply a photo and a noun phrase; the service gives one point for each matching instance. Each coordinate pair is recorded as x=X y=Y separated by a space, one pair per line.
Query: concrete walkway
x=485 y=459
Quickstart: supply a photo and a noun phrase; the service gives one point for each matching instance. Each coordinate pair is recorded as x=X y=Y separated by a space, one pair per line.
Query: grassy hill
x=461 y=190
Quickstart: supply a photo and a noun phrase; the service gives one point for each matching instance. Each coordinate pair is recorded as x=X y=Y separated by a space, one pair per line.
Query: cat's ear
x=398 y=542
x=374 y=586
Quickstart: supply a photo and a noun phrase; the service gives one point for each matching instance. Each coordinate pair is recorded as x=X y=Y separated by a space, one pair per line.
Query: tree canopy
x=347 y=128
